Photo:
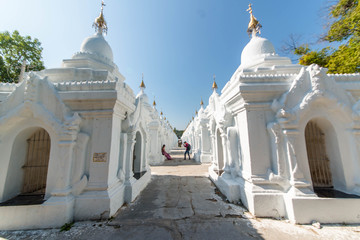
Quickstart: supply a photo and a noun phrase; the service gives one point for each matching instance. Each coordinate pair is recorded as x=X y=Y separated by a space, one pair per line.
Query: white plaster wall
x=101 y=143
x=47 y=215
x=25 y=128
x=13 y=181
x=258 y=142
x=338 y=147
x=114 y=148
x=244 y=141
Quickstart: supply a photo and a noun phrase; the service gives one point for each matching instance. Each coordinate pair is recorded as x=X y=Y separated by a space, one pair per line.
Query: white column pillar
x=214 y=164
x=225 y=152
x=129 y=158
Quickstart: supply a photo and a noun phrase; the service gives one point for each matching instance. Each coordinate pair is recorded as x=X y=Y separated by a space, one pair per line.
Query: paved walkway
x=181 y=203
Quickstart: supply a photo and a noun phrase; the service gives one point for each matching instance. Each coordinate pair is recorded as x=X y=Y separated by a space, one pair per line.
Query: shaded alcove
x=137 y=156
x=319 y=163
x=27 y=173
x=324 y=159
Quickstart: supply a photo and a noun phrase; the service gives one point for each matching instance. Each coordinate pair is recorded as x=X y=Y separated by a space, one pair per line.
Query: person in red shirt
x=188 y=148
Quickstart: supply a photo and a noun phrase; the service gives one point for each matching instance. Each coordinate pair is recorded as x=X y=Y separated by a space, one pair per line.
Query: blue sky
x=178 y=44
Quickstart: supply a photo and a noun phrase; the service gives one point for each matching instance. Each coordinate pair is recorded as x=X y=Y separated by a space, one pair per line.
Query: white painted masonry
x=103 y=139
x=255 y=134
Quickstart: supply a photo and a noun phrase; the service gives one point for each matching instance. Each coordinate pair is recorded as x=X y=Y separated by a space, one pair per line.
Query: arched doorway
x=27 y=172
x=37 y=161
x=220 y=153
x=137 y=153
x=319 y=162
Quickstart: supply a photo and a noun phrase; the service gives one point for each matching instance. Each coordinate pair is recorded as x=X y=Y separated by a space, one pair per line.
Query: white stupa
x=260 y=52
x=283 y=138
x=95 y=51
x=142 y=95
x=91 y=140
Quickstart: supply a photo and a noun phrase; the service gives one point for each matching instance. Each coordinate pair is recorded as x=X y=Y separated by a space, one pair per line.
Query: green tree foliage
x=178 y=133
x=14 y=49
x=345 y=17
x=309 y=57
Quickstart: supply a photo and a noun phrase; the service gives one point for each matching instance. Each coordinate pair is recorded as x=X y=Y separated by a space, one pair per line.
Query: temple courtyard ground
x=182 y=203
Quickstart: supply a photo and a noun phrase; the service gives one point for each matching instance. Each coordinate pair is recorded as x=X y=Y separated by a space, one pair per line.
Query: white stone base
x=262 y=201
x=53 y=213
x=99 y=204
x=205 y=158
x=267 y=201
x=261 y=204
x=266 y=204
x=156 y=160
x=304 y=210
x=196 y=157
x=228 y=187
x=133 y=190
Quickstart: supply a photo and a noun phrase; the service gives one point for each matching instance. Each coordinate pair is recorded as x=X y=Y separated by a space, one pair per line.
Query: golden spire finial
x=142 y=84
x=100 y=23
x=201 y=103
x=254 y=25
x=196 y=112
x=154 y=103
x=161 y=113
x=214 y=86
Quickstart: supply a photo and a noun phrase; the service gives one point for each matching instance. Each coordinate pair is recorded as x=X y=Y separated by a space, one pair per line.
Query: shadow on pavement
x=183 y=205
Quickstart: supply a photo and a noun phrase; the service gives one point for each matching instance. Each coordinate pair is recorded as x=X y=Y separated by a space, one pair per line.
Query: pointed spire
x=196 y=112
x=214 y=86
x=142 y=84
x=254 y=25
x=154 y=103
x=161 y=113
x=100 y=23
x=201 y=103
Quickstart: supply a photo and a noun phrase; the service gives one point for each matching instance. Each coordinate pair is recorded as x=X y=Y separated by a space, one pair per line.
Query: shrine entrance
x=319 y=162
x=27 y=175
x=137 y=155
x=37 y=161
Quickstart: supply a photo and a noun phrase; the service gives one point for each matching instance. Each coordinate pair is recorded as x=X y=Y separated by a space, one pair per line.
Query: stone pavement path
x=181 y=203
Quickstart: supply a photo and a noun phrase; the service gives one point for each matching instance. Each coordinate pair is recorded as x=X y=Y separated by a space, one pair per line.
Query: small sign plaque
x=99 y=157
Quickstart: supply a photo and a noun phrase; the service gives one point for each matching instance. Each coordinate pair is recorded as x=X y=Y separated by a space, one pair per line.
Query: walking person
x=188 y=148
x=163 y=152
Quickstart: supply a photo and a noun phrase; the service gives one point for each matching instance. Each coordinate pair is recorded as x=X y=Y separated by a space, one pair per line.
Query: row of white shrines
x=77 y=138
x=283 y=138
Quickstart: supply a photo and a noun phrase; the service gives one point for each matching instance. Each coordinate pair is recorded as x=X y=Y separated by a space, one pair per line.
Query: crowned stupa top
x=142 y=84
x=260 y=52
x=142 y=93
x=214 y=86
x=100 y=23
x=254 y=25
